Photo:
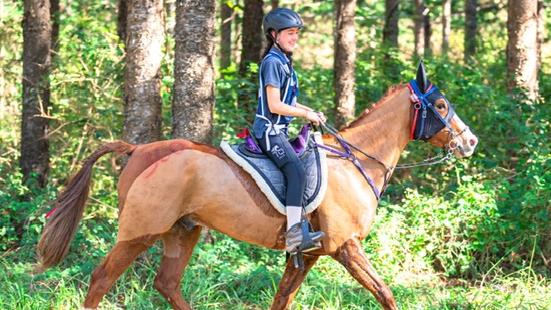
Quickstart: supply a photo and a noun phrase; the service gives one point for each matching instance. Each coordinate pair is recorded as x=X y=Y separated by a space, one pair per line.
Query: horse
x=170 y=190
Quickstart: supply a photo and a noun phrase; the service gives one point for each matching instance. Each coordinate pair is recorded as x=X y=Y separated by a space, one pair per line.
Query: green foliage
x=232 y=114
x=468 y=234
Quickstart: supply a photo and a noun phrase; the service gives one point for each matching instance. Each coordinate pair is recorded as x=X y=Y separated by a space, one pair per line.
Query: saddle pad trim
x=266 y=189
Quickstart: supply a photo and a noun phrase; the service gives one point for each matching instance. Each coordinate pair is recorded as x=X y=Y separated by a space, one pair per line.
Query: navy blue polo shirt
x=275 y=70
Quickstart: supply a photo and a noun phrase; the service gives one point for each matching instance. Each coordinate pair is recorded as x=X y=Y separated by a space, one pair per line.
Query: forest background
x=466 y=234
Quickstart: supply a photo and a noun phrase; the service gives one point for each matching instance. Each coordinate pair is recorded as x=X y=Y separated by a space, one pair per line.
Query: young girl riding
x=277 y=106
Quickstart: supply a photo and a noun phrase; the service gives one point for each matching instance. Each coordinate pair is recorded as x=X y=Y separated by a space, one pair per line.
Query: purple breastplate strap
x=349 y=155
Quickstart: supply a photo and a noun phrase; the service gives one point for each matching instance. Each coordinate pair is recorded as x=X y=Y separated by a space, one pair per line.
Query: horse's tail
x=64 y=218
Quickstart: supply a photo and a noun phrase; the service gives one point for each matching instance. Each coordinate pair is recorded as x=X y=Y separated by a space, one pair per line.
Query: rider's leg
x=283 y=155
x=296 y=180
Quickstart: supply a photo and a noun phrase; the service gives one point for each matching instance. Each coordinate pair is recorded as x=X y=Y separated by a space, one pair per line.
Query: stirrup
x=309 y=241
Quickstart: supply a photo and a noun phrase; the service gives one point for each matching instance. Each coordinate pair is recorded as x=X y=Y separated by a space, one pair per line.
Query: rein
x=349 y=155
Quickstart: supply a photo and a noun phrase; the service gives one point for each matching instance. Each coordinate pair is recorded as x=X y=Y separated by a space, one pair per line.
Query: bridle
x=426 y=126
x=423 y=128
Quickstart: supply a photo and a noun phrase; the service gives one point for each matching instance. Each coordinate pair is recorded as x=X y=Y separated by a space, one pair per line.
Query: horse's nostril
x=472 y=142
x=453 y=144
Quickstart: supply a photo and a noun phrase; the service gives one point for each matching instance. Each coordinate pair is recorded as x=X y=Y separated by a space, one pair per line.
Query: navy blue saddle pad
x=271 y=180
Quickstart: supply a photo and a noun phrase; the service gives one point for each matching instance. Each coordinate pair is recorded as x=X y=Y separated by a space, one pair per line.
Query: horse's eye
x=441 y=106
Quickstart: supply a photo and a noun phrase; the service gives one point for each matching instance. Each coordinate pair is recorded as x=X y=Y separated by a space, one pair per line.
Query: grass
x=228 y=275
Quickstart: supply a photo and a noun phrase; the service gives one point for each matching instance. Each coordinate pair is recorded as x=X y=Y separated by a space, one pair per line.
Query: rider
x=277 y=105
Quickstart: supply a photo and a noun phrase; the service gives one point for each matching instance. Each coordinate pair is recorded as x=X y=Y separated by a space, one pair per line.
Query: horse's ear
x=421 y=78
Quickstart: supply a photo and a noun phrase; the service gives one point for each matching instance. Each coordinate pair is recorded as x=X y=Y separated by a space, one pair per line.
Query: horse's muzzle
x=465 y=144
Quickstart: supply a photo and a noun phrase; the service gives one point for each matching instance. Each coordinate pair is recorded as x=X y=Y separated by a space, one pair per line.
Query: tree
x=251 y=51
x=145 y=37
x=37 y=41
x=275 y=4
x=121 y=19
x=252 y=34
x=54 y=19
x=392 y=15
x=390 y=39
x=419 y=29
x=427 y=29
x=541 y=29
x=446 y=26
x=345 y=57
x=522 y=48
x=470 y=29
x=193 y=101
x=226 y=13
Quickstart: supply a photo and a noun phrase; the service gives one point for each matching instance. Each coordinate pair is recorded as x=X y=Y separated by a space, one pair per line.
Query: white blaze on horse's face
x=461 y=140
x=465 y=141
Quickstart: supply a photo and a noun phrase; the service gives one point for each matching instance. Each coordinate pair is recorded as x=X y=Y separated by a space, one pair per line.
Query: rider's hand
x=315 y=117
x=322 y=117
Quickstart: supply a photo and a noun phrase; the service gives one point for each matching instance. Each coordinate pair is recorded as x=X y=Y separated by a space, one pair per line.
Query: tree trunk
x=145 y=37
x=419 y=29
x=226 y=13
x=275 y=4
x=522 y=49
x=446 y=26
x=121 y=20
x=391 y=64
x=237 y=34
x=252 y=34
x=54 y=16
x=252 y=41
x=428 y=33
x=193 y=101
x=345 y=57
x=392 y=15
x=541 y=30
x=470 y=29
x=37 y=41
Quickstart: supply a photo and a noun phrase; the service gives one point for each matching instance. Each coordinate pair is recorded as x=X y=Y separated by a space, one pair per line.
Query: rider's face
x=288 y=38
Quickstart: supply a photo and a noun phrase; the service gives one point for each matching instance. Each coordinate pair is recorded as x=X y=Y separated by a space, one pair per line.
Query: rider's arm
x=276 y=106
x=298 y=105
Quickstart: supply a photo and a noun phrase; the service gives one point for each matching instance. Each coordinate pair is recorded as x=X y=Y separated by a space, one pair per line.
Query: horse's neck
x=383 y=132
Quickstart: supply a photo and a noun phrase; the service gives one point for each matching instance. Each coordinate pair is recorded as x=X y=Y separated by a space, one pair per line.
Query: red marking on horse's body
x=156 y=154
x=178 y=145
x=151 y=170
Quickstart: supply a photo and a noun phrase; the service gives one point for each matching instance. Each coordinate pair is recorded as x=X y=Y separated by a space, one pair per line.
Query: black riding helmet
x=281 y=19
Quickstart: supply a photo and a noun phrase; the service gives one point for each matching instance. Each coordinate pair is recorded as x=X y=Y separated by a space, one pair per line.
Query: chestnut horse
x=169 y=190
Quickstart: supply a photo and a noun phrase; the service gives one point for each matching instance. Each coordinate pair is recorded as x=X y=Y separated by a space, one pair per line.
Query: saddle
x=269 y=177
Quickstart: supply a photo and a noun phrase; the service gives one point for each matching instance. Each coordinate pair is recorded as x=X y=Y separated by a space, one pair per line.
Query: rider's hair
x=269 y=45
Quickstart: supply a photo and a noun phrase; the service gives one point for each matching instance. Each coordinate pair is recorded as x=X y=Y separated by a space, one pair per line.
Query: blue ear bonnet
x=429 y=121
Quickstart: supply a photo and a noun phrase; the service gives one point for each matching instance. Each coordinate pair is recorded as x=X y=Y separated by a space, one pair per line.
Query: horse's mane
x=389 y=93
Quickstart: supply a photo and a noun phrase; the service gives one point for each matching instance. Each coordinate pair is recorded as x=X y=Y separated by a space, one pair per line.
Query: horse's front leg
x=291 y=281
x=351 y=255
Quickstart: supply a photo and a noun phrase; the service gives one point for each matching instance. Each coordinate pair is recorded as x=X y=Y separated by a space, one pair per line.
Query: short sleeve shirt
x=276 y=71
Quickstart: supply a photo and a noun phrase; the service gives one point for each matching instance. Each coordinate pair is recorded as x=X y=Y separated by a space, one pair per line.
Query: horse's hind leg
x=291 y=281
x=178 y=247
x=116 y=262
x=351 y=255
